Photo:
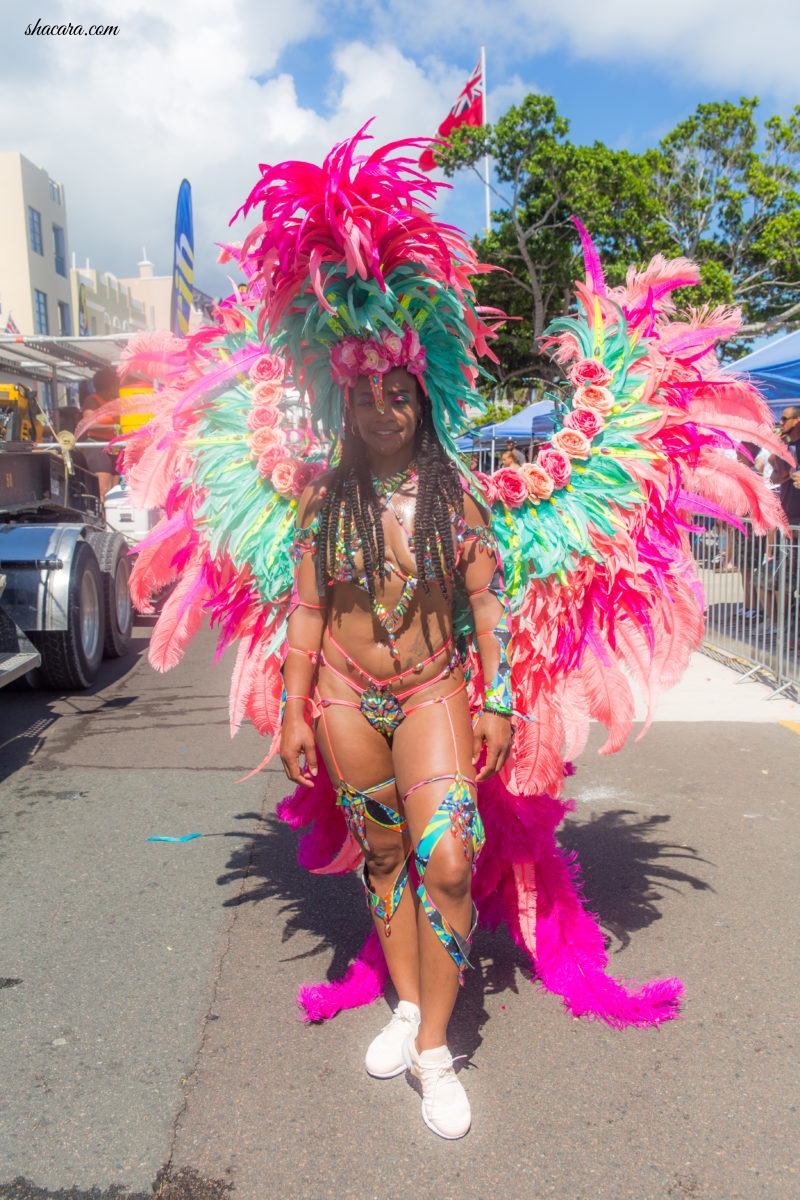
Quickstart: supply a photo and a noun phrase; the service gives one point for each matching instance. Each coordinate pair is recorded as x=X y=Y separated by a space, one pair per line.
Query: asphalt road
x=149 y=1040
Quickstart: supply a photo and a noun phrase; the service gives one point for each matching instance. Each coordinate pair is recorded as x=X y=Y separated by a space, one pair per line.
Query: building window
x=55 y=192
x=64 y=319
x=60 y=250
x=40 y=306
x=35 y=230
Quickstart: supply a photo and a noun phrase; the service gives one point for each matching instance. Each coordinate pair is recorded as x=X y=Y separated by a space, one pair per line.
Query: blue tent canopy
x=775 y=370
x=535 y=421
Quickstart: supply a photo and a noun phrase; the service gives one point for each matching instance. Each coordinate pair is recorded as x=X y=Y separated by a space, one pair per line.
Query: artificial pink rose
x=262 y=439
x=344 y=361
x=414 y=353
x=269 y=460
x=260 y=418
x=373 y=358
x=411 y=343
x=266 y=394
x=282 y=476
x=599 y=399
x=510 y=486
x=556 y=464
x=587 y=420
x=341 y=375
x=348 y=352
x=539 y=483
x=574 y=443
x=231 y=318
x=268 y=369
x=305 y=474
x=393 y=345
x=487 y=486
x=589 y=371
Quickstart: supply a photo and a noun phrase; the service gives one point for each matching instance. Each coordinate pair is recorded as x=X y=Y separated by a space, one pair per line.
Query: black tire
x=71 y=657
x=111 y=551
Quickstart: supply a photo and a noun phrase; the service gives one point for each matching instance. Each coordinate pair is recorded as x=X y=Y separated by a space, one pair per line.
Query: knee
x=449 y=874
x=383 y=863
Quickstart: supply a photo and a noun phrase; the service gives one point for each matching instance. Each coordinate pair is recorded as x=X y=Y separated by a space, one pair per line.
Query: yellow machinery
x=18 y=412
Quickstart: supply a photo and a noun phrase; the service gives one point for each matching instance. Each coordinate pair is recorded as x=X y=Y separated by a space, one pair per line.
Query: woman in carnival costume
x=398 y=617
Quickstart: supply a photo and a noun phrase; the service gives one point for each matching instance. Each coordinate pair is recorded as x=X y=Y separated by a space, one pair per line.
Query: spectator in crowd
x=781 y=558
x=788 y=483
x=789 y=429
x=512 y=457
x=99 y=459
x=746 y=549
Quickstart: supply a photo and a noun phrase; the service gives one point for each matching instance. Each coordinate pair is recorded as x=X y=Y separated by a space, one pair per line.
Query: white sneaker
x=384 y=1057
x=445 y=1107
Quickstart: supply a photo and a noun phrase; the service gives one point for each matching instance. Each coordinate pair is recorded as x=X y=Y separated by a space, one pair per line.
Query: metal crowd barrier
x=752 y=590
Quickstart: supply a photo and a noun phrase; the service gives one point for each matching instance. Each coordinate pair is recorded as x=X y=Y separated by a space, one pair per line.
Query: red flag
x=467 y=110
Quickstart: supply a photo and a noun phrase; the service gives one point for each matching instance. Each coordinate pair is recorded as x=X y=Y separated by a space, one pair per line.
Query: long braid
x=351 y=503
x=439 y=496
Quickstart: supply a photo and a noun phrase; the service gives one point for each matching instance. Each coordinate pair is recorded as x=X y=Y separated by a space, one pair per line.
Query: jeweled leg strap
x=356 y=804
x=458 y=813
x=385 y=907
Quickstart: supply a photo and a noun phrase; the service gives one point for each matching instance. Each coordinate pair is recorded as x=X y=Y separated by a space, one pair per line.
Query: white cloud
x=120 y=120
x=722 y=43
x=738 y=43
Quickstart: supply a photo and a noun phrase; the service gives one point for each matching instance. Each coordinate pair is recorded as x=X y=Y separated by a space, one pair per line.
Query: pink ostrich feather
x=595 y=277
x=363 y=983
x=182 y=617
x=368 y=212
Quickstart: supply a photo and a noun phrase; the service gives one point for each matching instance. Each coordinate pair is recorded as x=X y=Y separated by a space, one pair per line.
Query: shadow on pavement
x=27 y=712
x=626 y=869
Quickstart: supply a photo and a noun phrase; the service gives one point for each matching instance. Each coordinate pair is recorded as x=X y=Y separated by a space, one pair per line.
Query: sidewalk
x=710 y=691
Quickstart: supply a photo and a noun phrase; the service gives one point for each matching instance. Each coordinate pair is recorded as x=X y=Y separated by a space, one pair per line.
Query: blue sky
x=207 y=91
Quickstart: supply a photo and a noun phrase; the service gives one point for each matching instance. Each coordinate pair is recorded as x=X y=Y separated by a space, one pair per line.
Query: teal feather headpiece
x=349 y=253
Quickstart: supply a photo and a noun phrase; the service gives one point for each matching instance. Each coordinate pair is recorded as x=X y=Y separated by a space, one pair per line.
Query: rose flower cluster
x=592 y=403
x=355 y=356
x=268 y=441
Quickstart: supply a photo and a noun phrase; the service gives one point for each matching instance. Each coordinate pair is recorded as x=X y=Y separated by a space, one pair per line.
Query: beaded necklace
x=386 y=488
x=391 y=620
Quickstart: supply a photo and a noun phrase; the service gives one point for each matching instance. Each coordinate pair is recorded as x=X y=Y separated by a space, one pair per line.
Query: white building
x=155 y=293
x=103 y=304
x=34 y=275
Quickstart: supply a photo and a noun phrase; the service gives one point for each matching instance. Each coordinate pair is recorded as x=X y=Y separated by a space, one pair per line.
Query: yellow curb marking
x=793 y=725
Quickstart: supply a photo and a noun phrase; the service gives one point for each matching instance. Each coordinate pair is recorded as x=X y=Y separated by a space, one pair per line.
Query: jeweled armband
x=305 y=541
x=498 y=696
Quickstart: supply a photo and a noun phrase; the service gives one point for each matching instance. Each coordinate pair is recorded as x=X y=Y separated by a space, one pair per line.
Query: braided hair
x=352 y=504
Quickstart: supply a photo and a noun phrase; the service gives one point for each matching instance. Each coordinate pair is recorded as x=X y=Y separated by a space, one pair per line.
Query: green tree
x=707 y=191
x=542 y=180
x=728 y=198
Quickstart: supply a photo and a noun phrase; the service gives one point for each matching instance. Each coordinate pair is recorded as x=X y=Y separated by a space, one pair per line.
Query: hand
x=495 y=733
x=795 y=478
x=298 y=751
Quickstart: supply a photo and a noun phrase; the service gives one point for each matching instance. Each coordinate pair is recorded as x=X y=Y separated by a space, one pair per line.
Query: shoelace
x=409 y=1020
x=439 y=1069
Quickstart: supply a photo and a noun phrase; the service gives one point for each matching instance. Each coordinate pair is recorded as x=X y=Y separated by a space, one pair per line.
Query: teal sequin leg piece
x=459 y=814
x=385 y=907
x=354 y=804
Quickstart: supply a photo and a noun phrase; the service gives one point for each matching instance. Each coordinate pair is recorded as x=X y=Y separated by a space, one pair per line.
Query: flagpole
x=486 y=159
